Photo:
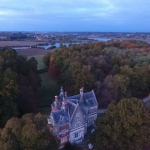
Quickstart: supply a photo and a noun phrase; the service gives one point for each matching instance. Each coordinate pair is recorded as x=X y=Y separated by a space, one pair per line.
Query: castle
x=70 y=116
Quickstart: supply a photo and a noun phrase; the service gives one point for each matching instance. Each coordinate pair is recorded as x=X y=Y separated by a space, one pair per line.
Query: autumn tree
x=124 y=126
x=19 y=85
x=46 y=59
x=89 y=64
x=119 y=86
x=28 y=133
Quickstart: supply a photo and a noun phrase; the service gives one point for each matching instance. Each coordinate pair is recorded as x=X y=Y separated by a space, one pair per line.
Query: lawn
x=39 y=60
x=48 y=91
x=49 y=88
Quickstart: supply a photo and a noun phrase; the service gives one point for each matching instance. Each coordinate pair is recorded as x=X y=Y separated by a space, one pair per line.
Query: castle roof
x=86 y=101
x=60 y=117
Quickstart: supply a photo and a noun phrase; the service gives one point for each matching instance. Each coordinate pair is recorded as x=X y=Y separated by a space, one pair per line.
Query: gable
x=60 y=117
x=78 y=118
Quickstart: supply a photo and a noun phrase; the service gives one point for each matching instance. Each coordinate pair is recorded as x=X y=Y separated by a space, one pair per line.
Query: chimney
x=81 y=90
x=61 y=91
x=56 y=98
x=81 y=95
x=64 y=103
x=66 y=94
x=55 y=104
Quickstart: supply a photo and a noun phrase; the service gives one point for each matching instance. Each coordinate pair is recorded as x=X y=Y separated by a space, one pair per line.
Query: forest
x=119 y=73
x=114 y=69
x=20 y=94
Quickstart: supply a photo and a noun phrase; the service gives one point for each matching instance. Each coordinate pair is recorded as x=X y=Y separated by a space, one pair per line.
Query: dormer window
x=77 y=124
x=61 y=118
x=77 y=114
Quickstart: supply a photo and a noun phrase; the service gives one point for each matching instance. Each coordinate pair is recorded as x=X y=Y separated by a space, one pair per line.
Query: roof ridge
x=74 y=111
x=71 y=102
x=94 y=97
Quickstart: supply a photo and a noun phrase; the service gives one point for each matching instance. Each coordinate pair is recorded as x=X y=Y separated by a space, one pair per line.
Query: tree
x=46 y=59
x=28 y=133
x=125 y=126
x=119 y=86
x=81 y=77
x=9 y=85
x=19 y=85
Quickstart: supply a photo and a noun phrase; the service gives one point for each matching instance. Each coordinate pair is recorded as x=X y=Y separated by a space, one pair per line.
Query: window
x=63 y=132
x=77 y=116
x=76 y=135
x=77 y=124
x=61 y=118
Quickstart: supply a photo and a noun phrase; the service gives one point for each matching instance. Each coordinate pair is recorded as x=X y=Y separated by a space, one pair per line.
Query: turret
x=81 y=95
x=66 y=94
x=61 y=91
x=54 y=106
x=64 y=103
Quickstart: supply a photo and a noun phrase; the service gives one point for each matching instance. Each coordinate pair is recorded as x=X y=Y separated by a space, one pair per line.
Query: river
x=58 y=44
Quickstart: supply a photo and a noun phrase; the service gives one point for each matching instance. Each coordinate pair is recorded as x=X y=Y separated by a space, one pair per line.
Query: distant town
x=71 y=37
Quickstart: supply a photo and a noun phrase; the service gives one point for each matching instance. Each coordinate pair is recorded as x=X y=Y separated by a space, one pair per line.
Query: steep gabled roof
x=86 y=102
x=88 y=98
x=60 y=117
x=146 y=99
x=71 y=108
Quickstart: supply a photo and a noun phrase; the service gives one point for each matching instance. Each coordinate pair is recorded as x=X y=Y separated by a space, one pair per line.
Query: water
x=46 y=46
x=22 y=47
x=100 y=39
x=58 y=44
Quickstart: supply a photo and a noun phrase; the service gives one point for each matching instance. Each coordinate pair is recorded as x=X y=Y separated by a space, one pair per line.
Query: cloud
x=62 y=13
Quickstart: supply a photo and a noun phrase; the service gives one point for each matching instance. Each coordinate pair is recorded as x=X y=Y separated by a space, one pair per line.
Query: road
x=101 y=111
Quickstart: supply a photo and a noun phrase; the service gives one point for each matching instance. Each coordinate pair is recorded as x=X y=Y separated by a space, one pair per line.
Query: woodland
x=118 y=72
x=20 y=84
x=114 y=69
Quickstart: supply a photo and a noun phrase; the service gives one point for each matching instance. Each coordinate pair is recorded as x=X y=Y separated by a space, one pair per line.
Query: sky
x=75 y=15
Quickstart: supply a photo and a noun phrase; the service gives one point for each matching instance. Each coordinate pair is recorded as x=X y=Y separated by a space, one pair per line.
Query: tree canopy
x=28 y=133
x=20 y=84
x=114 y=69
x=124 y=126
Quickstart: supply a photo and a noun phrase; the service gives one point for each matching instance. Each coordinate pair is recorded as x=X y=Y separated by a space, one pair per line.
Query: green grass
x=48 y=91
x=39 y=60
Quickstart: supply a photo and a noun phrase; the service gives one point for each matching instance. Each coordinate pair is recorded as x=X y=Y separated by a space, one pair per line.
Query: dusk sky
x=75 y=15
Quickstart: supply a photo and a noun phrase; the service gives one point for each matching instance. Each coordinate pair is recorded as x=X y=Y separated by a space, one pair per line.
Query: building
x=70 y=116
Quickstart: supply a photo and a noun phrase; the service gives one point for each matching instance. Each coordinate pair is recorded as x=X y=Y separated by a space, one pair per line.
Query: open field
x=19 y=43
x=39 y=60
x=33 y=51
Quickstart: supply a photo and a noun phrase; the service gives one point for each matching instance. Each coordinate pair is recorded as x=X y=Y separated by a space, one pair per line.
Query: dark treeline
x=115 y=69
x=27 y=133
x=19 y=85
